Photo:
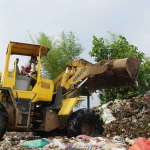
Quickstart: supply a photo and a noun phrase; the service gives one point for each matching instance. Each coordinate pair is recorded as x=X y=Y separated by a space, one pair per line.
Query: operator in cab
x=28 y=65
x=25 y=70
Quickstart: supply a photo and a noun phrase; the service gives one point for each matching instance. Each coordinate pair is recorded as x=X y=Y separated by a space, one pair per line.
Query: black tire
x=3 y=120
x=85 y=121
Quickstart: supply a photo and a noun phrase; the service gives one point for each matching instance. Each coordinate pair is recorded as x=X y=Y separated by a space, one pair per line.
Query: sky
x=130 y=18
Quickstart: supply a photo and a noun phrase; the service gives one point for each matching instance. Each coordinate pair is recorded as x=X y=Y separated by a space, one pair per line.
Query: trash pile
x=26 y=141
x=17 y=141
x=127 y=118
x=126 y=127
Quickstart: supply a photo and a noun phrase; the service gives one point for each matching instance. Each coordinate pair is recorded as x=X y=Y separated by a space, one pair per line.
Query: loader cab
x=18 y=83
x=12 y=76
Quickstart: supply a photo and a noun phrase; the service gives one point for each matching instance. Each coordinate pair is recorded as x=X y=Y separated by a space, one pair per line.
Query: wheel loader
x=48 y=106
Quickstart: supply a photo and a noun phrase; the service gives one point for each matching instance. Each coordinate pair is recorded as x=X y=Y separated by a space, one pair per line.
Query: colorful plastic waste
x=126 y=118
x=36 y=143
x=141 y=144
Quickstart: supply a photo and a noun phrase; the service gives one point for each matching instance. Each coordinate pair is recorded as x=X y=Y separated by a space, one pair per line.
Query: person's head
x=33 y=59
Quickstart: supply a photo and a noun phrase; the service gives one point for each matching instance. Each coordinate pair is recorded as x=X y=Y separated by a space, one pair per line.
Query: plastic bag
x=118 y=148
x=55 y=143
x=107 y=116
x=83 y=136
x=104 y=106
x=109 y=146
x=36 y=143
x=141 y=144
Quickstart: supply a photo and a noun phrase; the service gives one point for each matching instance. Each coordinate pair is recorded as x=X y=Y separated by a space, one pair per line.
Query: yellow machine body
x=49 y=104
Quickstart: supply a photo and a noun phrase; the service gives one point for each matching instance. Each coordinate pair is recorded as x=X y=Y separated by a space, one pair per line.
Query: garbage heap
x=24 y=141
x=127 y=118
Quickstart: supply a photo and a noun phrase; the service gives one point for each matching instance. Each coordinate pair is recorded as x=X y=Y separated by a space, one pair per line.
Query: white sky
x=85 y=18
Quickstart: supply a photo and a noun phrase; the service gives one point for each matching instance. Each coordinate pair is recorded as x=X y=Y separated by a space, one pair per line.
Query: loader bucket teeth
x=120 y=73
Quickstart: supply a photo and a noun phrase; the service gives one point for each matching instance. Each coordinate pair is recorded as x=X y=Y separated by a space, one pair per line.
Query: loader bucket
x=120 y=73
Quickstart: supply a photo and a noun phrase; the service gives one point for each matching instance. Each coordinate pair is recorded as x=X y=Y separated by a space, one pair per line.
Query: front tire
x=85 y=121
x=3 y=120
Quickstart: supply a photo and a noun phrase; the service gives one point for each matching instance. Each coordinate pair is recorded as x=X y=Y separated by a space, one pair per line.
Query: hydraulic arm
x=104 y=74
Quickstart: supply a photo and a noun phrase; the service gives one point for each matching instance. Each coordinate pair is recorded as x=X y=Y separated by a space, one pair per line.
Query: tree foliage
x=118 y=47
x=63 y=49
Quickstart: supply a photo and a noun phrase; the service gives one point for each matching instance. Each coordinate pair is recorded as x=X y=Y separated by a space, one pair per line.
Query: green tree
x=118 y=47
x=63 y=49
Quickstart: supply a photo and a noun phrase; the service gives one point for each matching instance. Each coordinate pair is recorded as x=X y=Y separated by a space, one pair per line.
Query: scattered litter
x=125 y=121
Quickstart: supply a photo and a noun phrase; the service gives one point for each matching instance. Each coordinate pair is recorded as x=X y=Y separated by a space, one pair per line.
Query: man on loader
x=25 y=70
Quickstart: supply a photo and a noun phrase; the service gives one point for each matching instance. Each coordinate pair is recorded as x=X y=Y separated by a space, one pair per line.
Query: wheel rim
x=88 y=127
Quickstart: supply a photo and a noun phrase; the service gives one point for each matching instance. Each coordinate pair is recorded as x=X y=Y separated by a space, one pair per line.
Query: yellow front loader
x=48 y=106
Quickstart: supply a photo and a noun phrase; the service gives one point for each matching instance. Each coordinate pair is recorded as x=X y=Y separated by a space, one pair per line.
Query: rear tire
x=85 y=121
x=3 y=120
